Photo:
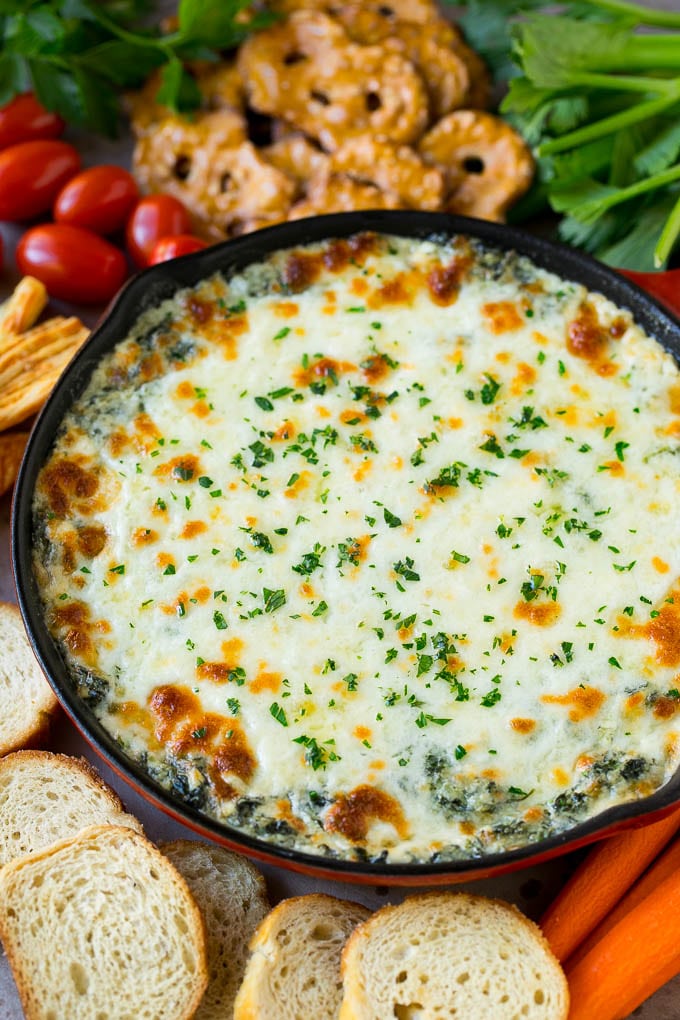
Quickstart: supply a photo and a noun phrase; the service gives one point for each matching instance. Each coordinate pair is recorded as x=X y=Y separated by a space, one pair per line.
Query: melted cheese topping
x=370 y=550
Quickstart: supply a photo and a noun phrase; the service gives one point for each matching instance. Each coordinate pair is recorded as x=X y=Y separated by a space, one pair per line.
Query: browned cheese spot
x=352 y=813
x=523 y=725
x=144 y=536
x=665 y=708
x=91 y=539
x=67 y=483
x=502 y=317
x=540 y=614
x=193 y=528
x=663 y=630
x=185 y=468
x=323 y=368
x=266 y=681
x=585 y=701
x=301 y=270
x=397 y=291
x=444 y=281
x=200 y=310
x=589 y=339
x=375 y=367
x=74 y=624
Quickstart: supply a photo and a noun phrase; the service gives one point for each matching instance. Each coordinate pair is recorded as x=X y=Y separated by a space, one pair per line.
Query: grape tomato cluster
x=96 y=212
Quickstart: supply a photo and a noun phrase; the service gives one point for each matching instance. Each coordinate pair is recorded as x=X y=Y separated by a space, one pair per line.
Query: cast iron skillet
x=162 y=281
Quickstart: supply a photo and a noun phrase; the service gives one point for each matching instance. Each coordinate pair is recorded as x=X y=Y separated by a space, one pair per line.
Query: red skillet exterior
x=665 y=287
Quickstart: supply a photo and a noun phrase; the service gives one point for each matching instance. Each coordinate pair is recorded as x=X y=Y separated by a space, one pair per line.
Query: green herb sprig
x=78 y=55
x=600 y=105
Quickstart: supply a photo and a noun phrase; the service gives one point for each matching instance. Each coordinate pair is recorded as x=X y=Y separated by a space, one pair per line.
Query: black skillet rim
x=159 y=282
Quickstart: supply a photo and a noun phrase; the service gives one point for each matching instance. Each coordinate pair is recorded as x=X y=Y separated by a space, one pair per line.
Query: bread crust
x=33 y=730
x=99 y=836
x=45 y=797
x=232 y=896
x=273 y=959
x=357 y=1001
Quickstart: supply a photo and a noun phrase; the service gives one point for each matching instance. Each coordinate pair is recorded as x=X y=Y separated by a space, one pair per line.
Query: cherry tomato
x=99 y=199
x=23 y=119
x=172 y=247
x=152 y=218
x=31 y=176
x=73 y=263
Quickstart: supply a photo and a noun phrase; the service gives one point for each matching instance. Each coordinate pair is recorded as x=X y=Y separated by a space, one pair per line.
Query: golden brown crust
x=308 y=71
x=44 y=702
x=32 y=361
x=12 y=446
x=486 y=164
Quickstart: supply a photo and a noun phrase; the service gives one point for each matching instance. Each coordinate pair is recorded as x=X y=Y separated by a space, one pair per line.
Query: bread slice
x=444 y=955
x=102 y=927
x=47 y=797
x=27 y=702
x=232 y=897
x=294 y=970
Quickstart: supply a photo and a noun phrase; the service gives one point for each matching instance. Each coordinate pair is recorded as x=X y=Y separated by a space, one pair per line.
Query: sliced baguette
x=47 y=797
x=232 y=897
x=443 y=955
x=27 y=702
x=294 y=970
x=102 y=927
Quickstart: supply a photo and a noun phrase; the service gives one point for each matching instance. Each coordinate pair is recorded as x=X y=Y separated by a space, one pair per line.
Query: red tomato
x=73 y=263
x=23 y=119
x=100 y=199
x=172 y=247
x=31 y=176
x=154 y=217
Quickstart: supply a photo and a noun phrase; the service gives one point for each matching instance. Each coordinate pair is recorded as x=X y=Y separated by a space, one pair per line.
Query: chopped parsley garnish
x=491 y=698
x=310 y=561
x=315 y=756
x=518 y=793
x=391 y=520
x=492 y=446
x=405 y=569
x=448 y=478
x=459 y=557
x=273 y=599
x=261 y=454
x=278 y=713
x=489 y=390
x=261 y=541
x=219 y=620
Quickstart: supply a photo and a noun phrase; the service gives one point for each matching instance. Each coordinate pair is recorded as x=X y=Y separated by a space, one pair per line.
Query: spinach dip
x=371 y=550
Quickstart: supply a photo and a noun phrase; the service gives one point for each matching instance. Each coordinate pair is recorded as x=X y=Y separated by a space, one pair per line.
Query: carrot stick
x=662 y=868
x=631 y=961
x=600 y=881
